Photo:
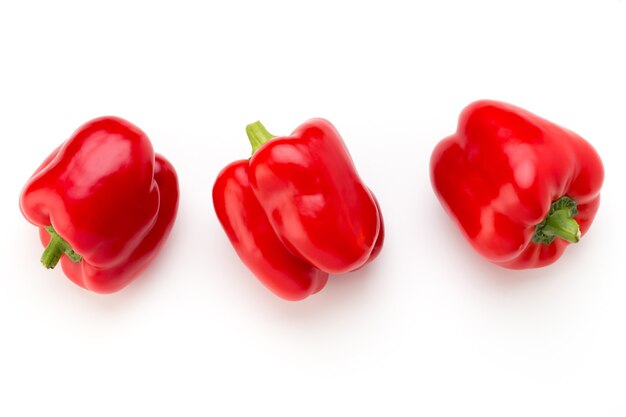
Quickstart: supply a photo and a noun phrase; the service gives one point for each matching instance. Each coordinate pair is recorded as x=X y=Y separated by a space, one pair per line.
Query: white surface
x=429 y=329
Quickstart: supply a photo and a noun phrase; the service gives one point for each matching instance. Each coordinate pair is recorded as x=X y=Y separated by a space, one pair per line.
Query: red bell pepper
x=297 y=210
x=520 y=187
x=104 y=203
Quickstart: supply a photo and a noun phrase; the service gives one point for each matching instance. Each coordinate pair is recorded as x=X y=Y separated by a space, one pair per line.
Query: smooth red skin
x=498 y=175
x=378 y=246
x=254 y=240
x=314 y=199
x=110 y=197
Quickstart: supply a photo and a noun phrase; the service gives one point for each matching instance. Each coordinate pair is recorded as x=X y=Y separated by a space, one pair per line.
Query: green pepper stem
x=559 y=223
x=258 y=135
x=55 y=249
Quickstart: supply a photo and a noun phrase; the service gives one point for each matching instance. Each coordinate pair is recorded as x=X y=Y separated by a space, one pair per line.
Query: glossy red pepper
x=104 y=203
x=520 y=187
x=297 y=210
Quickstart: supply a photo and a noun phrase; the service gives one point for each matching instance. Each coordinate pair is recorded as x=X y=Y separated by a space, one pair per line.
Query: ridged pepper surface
x=520 y=188
x=104 y=203
x=297 y=210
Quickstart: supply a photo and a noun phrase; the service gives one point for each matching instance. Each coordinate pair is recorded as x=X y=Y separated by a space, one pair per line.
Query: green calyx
x=258 y=135
x=559 y=223
x=55 y=249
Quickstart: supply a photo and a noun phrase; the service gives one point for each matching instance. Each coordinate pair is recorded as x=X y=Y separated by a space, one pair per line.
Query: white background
x=430 y=328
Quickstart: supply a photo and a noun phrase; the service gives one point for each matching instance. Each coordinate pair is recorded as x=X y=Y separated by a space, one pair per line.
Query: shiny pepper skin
x=297 y=210
x=520 y=188
x=104 y=203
